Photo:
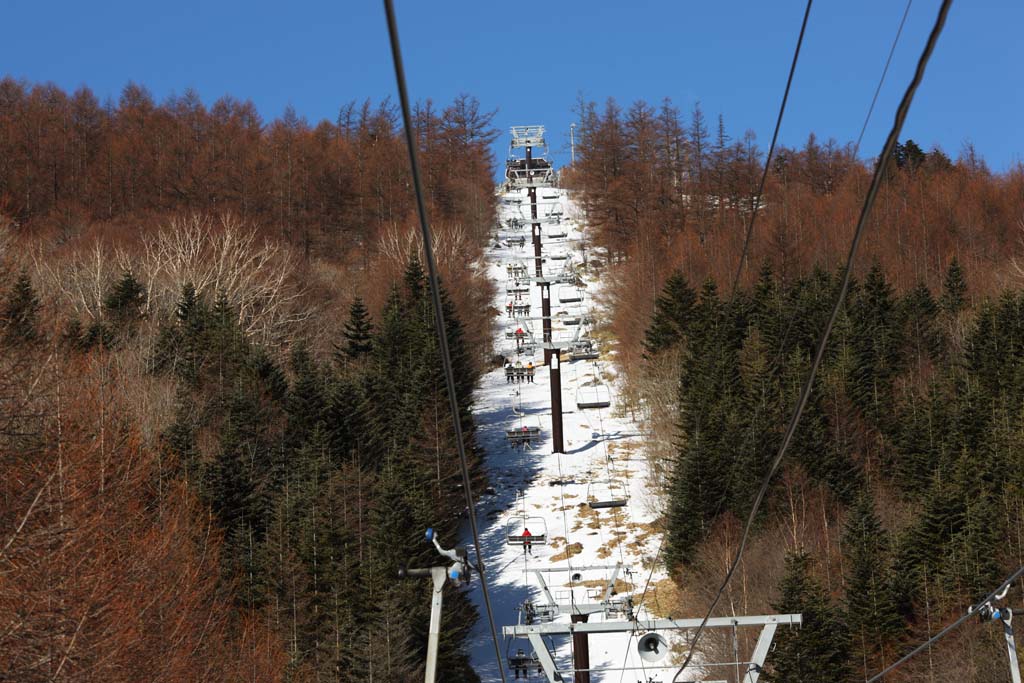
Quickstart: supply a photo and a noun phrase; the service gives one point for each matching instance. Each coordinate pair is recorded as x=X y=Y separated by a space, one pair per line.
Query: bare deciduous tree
x=223 y=256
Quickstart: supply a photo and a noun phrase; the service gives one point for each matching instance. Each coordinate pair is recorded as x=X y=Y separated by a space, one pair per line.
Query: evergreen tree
x=673 y=311
x=358 y=332
x=877 y=349
x=871 y=603
x=954 y=289
x=123 y=303
x=919 y=313
x=818 y=651
x=761 y=403
x=20 y=312
x=306 y=403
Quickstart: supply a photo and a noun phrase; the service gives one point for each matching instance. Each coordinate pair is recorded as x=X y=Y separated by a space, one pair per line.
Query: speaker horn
x=652 y=647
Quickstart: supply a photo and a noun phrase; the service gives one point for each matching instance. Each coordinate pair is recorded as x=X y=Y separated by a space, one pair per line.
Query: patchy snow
x=600 y=445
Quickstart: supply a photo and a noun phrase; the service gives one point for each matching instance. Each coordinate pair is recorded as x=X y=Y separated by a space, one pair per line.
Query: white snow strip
x=551 y=490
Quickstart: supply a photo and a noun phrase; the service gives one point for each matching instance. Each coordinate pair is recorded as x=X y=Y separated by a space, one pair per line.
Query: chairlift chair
x=583 y=349
x=557 y=234
x=522 y=436
x=606 y=494
x=531 y=612
x=516 y=526
x=567 y=294
x=593 y=396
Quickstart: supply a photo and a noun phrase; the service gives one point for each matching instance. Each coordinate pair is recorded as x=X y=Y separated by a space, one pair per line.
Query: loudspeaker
x=652 y=647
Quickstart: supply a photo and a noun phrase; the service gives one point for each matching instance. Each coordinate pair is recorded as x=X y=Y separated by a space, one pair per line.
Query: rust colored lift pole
x=556 y=403
x=545 y=313
x=581 y=651
x=535 y=227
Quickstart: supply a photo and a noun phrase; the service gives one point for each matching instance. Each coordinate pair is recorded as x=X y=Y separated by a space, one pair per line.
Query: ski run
x=571 y=502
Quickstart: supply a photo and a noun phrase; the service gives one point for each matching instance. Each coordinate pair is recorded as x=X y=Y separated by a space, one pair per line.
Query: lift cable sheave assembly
x=439 y=322
x=869 y=200
x=972 y=612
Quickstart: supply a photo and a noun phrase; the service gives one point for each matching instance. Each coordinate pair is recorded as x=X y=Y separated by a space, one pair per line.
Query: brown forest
x=217 y=370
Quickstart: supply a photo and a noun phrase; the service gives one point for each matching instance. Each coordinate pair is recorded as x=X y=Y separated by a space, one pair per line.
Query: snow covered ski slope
x=588 y=510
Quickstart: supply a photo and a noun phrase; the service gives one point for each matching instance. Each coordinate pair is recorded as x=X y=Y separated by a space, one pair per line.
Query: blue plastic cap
x=996 y=614
x=430 y=534
x=454 y=574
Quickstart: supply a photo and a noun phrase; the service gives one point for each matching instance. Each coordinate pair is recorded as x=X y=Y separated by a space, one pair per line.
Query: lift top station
x=533 y=169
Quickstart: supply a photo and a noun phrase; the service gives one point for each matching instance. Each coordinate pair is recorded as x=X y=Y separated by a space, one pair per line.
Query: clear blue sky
x=529 y=62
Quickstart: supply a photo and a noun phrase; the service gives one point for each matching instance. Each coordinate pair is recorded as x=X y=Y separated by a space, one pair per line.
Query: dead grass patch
x=571 y=550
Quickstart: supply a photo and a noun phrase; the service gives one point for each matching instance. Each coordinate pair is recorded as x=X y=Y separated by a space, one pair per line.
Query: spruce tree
x=871 y=603
x=954 y=289
x=123 y=303
x=673 y=311
x=877 y=348
x=358 y=331
x=306 y=403
x=919 y=313
x=817 y=651
x=20 y=312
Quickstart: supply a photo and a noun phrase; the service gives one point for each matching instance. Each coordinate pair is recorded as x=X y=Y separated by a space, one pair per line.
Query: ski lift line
x=881 y=79
x=439 y=321
x=869 y=200
x=792 y=318
x=771 y=150
x=568 y=547
x=973 y=611
x=740 y=265
x=615 y=511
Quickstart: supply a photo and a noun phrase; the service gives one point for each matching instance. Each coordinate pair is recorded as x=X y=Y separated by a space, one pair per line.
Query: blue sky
x=530 y=61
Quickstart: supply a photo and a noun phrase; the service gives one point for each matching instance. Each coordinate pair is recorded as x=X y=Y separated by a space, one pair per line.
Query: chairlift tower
x=458 y=572
x=531 y=172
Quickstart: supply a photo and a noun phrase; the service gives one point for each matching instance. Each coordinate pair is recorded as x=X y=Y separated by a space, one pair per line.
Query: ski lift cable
x=881 y=80
x=869 y=200
x=792 y=318
x=771 y=149
x=439 y=321
x=972 y=611
x=568 y=546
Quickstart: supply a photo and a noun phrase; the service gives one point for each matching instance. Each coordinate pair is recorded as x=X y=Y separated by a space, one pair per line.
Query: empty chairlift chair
x=607 y=494
x=556 y=233
x=593 y=396
x=567 y=294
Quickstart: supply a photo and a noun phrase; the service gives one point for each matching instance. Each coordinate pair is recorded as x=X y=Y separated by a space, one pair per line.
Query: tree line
x=666 y=190
x=68 y=160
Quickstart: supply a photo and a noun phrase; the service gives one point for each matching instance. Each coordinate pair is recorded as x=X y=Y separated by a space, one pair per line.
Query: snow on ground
x=599 y=444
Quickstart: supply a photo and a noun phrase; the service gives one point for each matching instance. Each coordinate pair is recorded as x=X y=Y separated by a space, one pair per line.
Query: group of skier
x=518 y=372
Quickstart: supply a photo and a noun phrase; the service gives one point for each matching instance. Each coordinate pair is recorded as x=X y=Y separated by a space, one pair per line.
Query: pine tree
x=123 y=303
x=877 y=349
x=954 y=289
x=872 y=612
x=817 y=651
x=919 y=313
x=358 y=332
x=306 y=403
x=20 y=312
x=673 y=312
